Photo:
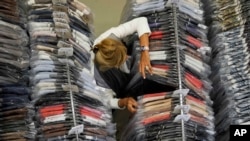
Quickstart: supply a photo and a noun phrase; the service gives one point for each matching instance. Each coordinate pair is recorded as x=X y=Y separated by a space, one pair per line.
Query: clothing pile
x=180 y=54
x=68 y=103
x=229 y=37
x=16 y=112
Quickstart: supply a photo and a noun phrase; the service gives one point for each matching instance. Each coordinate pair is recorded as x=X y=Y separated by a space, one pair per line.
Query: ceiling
x=107 y=13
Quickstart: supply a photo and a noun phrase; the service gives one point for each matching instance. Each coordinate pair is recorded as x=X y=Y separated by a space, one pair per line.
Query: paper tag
x=67 y=51
x=86 y=12
x=60 y=16
x=181 y=47
x=76 y=130
x=79 y=12
x=62 y=30
x=60 y=8
x=61 y=20
x=63 y=33
x=72 y=88
x=59 y=1
x=204 y=50
x=63 y=44
x=55 y=118
x=183 y=92
x=100 y=88
x=202 y=26
x=175 y=1
x=61 y=25
x=30 y=2
x=198 y=11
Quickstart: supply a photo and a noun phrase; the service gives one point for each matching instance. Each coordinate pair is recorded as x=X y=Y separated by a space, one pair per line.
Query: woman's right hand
x=129 y=103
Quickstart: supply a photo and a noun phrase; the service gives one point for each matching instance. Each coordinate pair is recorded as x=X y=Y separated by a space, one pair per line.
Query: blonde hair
x=110 y=54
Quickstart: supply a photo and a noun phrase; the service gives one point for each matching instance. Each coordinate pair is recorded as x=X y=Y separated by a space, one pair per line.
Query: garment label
x=66 y=51
x=60 y=117
x=72 y=88
x=59 y=1
x=76 y=130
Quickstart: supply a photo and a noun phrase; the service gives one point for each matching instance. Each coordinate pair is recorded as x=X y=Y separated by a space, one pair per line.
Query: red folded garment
x=156 y=33
x=52 y=113
x=194 y=80
x=52 y=108
x=156 y=118
x=165 y=67
x=194 y=41
x=195 y=99
x=156 y=37
x=154 y=94
x=90 y=114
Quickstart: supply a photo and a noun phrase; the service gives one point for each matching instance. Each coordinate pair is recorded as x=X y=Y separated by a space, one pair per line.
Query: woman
x=110 y=53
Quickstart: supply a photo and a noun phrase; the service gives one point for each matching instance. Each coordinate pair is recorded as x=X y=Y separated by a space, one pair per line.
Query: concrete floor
x=107 y=13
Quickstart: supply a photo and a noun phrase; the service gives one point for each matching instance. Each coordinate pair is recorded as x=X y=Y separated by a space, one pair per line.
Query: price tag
x=76 y=130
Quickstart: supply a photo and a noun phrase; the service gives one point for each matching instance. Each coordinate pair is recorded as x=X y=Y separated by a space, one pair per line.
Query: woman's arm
x=145 y=64
x=139 y=25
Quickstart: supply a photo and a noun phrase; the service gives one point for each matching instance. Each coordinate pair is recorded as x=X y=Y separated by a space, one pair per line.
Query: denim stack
x=180 y=56
x=229 y=38
x=16 y=112
x=69 y=104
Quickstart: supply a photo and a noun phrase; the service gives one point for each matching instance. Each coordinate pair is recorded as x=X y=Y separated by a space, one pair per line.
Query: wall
x=106 y=13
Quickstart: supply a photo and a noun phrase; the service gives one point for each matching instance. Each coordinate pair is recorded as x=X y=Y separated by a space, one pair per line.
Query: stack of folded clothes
x=180 y=56
x=229 y=39
x=69 y=104
x=16 y=111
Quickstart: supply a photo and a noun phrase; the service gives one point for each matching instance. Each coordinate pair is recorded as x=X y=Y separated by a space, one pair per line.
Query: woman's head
x=111 y=54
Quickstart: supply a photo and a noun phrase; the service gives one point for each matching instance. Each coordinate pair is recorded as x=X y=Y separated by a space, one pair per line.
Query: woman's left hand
x=144 y=65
